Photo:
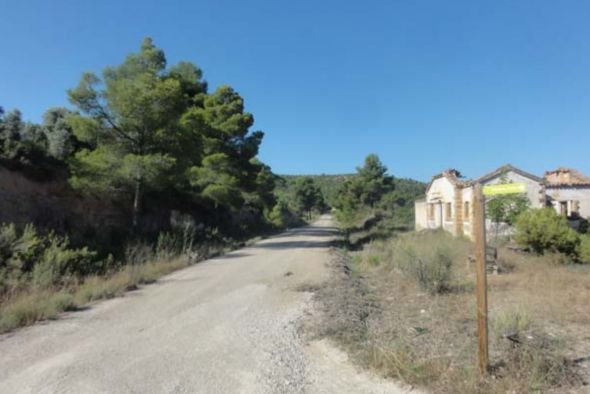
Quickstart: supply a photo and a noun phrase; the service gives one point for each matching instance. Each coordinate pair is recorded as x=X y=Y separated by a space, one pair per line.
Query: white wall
x=533 y=188
x=581 y=194
x=421 y=215
x=441 y=192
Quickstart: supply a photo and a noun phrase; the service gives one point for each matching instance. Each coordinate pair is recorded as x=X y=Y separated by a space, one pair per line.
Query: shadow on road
x=294 y=245
x=320 y=233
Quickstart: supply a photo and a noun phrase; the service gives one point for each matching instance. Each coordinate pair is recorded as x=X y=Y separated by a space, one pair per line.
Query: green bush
x=29 y=258
x=541 y=230
x=584 y=249
x=281 y=216
x=58 y=263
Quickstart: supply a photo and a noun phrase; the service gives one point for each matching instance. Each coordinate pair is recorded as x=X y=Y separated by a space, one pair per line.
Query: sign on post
x=504 y=188
x=480 y=260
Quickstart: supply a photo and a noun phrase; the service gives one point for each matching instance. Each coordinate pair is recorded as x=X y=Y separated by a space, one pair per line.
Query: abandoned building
x=568 y=191
x=448 y=203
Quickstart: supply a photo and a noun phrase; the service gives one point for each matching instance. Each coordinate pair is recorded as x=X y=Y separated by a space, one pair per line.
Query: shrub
x=429 y=258
x=542 y=230
x=584 y=249
x=281 y=216
x=18 y=254
x=168 y=245
x=27 y=257
x=59 y=262
x=138 y=253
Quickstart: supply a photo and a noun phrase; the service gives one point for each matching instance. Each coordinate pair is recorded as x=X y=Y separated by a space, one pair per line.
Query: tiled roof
x=504 y=169
x=566 y=177
x=452 y=175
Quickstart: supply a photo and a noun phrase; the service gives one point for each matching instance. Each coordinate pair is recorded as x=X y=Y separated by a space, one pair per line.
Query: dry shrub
x=431 y=258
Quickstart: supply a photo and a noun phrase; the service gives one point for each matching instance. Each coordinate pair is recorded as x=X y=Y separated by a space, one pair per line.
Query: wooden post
x=481 y=279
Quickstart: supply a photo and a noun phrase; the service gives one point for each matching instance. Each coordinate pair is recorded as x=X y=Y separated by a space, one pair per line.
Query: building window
x=569 y=208
x=466 y=211
x=449 y=212
x=563 y=208
x=574 y=207
x=430 y=211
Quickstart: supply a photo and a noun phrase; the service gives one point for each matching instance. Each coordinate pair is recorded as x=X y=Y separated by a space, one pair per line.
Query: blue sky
x=426 y=85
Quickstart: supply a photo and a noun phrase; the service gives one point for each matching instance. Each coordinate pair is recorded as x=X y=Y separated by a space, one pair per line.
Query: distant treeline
x=328 y=184
x=370 y=190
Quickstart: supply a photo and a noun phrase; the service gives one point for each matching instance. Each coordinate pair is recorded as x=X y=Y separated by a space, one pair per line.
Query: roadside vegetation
x=43 y=275
x=177 y=164
x=403 y=303
x=372 y=204
x=408 y=311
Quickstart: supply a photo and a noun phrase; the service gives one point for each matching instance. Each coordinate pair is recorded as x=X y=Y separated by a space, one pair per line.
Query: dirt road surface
x=227 y=325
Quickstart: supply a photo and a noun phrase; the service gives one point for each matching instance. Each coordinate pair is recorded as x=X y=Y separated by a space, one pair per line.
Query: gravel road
x=226 y=325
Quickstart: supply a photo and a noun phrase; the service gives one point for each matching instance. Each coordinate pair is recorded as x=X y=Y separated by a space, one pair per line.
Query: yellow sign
x=504 y=188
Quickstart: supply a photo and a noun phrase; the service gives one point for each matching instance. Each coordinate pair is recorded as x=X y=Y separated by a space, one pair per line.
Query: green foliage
x=134 y=107
x=373 y=180
x=152 y=139
x=367 y=188
x=329 y=185
x=584 y=249
x=281 y=216
x=506 y=208
x=20 y=142
x=43 y=260
x=542 y=230
x=107 y=169
x=61 y=142
x=150 y=128
x=217 y=180
x=11 y=128
x=372 y=191
x=308 y=196
x=59 y=262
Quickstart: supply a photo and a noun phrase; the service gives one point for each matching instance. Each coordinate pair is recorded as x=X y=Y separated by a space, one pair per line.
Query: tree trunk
x=137 y=204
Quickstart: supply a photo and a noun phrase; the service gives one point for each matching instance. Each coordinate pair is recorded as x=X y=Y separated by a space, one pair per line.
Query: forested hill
x=328 y=184
x=331 y=184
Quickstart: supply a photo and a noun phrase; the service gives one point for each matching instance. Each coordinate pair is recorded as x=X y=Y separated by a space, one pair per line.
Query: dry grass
x=36 y=305
x=381 y=313
x=32 y=307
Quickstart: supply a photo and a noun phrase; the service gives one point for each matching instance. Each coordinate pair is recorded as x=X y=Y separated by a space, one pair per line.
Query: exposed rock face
x=53 y=204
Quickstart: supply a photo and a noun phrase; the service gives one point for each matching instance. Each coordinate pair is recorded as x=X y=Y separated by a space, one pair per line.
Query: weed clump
x=430 y=259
